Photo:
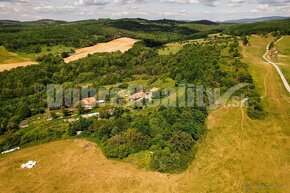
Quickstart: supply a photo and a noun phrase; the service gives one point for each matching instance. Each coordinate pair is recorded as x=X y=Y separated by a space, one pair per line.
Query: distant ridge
x=205 y=22
x=38 y=22
x=254 y=20
x=104 y=20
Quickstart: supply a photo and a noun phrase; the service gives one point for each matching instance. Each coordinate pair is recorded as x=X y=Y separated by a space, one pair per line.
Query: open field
x=4 y=67
x=283 y=60
x=174 y=47
x=10 y=60
x=171 y=48
x=121 y=44
x=55 y=50
x=7 y=57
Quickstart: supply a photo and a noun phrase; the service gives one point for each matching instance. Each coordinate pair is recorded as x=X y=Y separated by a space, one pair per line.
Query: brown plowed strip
x=121 y=44
x=4 y=67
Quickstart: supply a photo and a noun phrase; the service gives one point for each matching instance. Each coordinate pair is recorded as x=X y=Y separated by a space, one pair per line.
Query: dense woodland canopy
x=168 y=132
x=280 y=26
x=29 y=37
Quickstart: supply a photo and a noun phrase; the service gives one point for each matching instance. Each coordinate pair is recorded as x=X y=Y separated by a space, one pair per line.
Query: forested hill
x=255 y=20
x=29 y=36
x=281 y=26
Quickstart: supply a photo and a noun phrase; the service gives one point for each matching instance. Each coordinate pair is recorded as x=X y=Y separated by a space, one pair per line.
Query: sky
x=72 y=10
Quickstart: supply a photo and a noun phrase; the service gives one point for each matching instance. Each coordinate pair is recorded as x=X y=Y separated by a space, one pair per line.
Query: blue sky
x=216 y=10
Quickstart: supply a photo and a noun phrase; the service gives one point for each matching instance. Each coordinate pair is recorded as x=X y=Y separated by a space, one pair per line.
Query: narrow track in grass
x=286 y=85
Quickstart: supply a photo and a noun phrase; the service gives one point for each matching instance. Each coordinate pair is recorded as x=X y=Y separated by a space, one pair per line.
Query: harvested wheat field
x=121 y=44
x=74 y=166
x=4 y=67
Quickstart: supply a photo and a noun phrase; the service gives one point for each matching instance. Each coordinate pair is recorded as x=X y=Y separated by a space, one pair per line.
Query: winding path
x=277 y=68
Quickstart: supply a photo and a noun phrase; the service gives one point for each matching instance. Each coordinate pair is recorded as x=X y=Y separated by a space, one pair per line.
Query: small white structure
x=101 y=101
x=10 y=150
x=29 y=165
x=91 y=115
x=71 y=120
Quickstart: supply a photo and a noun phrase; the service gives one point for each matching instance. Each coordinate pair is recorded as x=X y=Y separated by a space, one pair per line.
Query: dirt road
x=286 y=85
x=4 y=67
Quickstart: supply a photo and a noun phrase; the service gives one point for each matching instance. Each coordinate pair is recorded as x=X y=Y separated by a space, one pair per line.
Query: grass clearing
x=10 y=60
x=283 y=59
x=7 y=57
x=173 y=48
x=170 y=48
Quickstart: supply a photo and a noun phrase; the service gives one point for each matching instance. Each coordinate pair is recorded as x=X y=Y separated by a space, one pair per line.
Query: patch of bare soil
x=121 y=44
x=4 y=67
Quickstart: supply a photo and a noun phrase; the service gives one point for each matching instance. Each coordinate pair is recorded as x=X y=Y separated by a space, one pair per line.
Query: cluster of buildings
x=91 y=102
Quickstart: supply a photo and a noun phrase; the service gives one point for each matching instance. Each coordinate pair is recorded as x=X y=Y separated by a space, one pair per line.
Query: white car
x=29 y=164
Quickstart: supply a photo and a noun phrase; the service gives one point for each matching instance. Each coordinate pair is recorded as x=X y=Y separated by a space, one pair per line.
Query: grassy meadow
x=174 y=47
x=283 y=59
x=7 y=57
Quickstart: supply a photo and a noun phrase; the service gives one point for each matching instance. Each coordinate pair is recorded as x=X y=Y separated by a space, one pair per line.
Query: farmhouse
x=138 y=96
x=89 y=103
x=142 y=95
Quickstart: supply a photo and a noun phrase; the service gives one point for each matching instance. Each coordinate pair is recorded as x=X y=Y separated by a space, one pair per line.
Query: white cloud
x=235 y=3
x=105 y=2
x=264 y=7
x=129 y=1
x=149 y=9
x=211 y=3
x=15 y=1
x=91 y=2
x=50 y=8
x=179 y=1
x=120 y=14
